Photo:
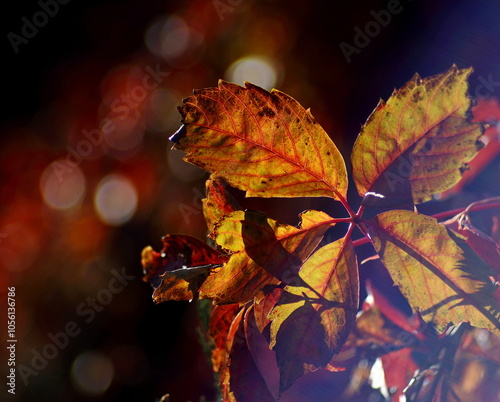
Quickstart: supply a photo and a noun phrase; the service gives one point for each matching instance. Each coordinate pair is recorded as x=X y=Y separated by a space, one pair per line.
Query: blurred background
x=89 y=98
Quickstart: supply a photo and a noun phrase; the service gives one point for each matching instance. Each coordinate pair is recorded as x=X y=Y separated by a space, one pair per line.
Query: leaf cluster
x=281 y=286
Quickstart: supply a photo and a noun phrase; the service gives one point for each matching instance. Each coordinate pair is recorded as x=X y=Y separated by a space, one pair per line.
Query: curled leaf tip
x=179 y=134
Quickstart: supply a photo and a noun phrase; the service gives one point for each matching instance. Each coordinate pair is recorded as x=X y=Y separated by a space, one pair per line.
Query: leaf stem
x=361 y=241
x=340 y=220
x=345 y=204
x=361 y=209
x=488 y=203
x=349 y=232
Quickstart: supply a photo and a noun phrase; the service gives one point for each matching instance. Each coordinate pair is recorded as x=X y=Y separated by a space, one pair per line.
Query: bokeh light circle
x=168 y=37
x=258 y=70
x=92 y=373
x=62 y=186
x=115 y=200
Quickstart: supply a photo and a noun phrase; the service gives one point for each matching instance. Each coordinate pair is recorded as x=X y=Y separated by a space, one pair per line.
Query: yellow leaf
x=436 y=270
x=264 y=252
x=264 y=143
x=418 y=143
x=315 y=313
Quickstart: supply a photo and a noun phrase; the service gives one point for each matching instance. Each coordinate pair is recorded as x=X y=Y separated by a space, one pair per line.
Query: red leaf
x=399 y=369
x=180 y=269
x=484 y=246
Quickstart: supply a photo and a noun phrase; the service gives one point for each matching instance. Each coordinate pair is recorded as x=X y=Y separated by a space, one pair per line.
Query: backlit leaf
x=436 y=270
x=264 y=253
x=242 y=380
x=316 y=312
x=264 y=143
x=377 y=334
x=220 y=322
x=182 y=284
x=484 y=246
x=224 y=373
x=179 y=270
x=417 y=143
x=262 y=308
x=218 y=202
x=399 y=369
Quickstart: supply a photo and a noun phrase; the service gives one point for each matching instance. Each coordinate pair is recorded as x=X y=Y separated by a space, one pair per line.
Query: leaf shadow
x=266 y=250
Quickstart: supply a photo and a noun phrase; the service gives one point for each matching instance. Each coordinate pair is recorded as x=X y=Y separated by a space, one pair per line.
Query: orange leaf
x=418 y=143
x=436 y=270
x=264 y=143
x=224 y=374
x=262 y=308
x=179 y=270
x=218 y=202
x=264 y=253
x=220 y=322
x=314 y=315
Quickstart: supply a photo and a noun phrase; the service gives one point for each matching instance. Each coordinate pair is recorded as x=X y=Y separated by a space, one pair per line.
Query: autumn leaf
x=263 y=252
x=220 y=321
x=436 y=270
x=264 y=143
x=224 y=374
x=417 y=143
x=391 y=309
x=484 y=246
x=217 y=202
x=263 y=307
x=315 y=313
x=263 y=357
x=375 y=333
x=485 y=111
x=179 y=270
x=240 y=377
x=399 y=368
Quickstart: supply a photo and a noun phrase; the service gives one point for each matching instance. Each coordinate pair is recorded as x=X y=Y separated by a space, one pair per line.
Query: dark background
x=56 y=86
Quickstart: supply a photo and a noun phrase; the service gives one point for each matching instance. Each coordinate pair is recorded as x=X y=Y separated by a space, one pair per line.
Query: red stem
x=440 y=215
x=349 y=231
x=340 y=220
x=361 y=241
x=345 y=204
x=454 y=212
